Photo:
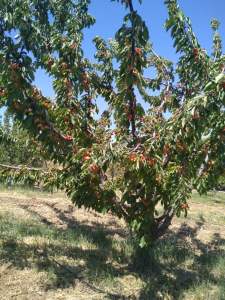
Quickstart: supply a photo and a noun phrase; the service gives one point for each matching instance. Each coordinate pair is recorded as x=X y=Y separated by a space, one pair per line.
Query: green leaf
x=143 y=242
x=220 y=78
x=169 y=23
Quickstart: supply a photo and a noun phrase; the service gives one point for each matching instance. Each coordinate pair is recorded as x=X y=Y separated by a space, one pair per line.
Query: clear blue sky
x=109 y=17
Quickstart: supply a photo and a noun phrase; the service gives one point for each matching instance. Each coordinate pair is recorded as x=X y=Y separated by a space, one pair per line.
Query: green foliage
x=16 y=147
x=160 y=160
x=18 y=154
x=221 y=182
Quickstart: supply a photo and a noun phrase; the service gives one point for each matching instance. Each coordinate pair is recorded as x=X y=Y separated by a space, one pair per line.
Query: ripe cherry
x=94 y=168
x=138 y=51
x=151 y=162
x=86 y=157
x=133 y=156
x=184 y=206
x=68 y=138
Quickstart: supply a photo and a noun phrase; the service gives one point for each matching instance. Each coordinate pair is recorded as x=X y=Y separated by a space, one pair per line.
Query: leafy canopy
x=139 y=164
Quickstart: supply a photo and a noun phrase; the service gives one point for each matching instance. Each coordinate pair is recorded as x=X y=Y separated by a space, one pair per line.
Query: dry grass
x=52 y=250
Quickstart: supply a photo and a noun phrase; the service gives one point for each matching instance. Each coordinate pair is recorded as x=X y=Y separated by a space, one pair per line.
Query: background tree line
x=18 y=148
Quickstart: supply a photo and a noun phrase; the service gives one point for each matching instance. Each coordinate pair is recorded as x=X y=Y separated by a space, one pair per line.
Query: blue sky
x=109 y=17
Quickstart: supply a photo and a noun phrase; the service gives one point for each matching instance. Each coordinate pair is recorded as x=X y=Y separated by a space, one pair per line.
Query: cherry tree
x=139 y=164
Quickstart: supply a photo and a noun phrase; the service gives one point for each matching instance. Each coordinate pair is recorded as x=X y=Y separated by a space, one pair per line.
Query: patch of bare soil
x=204 y=222
x=59 y=211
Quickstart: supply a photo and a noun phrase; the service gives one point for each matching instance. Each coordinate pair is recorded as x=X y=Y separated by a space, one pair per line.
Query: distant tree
x=18 y=152
x=146 y=167
x=18 y=149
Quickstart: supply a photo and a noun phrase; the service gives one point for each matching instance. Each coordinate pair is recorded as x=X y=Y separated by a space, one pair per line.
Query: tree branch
x=21 y=168
x=163 y=222
x=132 y=100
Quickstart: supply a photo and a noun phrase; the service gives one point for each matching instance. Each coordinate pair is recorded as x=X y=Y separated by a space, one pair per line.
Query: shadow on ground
x=178 y=263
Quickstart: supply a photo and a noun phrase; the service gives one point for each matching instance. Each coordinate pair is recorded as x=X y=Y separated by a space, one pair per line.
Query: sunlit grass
x=86 y=261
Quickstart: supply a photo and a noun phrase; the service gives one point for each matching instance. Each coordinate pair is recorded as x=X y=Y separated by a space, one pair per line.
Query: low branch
x=21 y=168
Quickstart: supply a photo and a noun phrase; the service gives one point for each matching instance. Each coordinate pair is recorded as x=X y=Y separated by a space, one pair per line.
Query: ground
x=51 y=250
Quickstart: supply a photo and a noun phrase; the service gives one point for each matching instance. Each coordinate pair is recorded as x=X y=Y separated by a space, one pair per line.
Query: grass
x=51 y=250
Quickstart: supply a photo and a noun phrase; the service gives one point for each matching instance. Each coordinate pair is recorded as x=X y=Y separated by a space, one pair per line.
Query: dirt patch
x=58 y=211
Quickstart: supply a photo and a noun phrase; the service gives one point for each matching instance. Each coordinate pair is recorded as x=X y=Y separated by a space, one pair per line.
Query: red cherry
x=138 y=51
x=184 y=206
x=86 y=157
x=94 y=168
x=133 y=156
x=151 y=162
x=68 y=138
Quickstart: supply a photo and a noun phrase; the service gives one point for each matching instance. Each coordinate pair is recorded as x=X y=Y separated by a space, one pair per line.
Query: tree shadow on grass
x=79 y=242
x=163 y=269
